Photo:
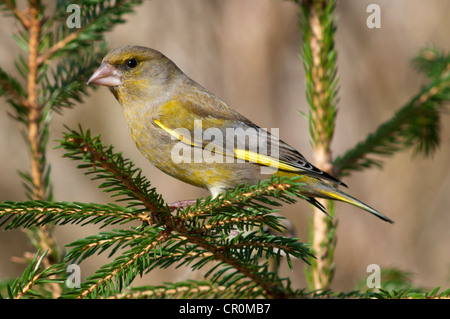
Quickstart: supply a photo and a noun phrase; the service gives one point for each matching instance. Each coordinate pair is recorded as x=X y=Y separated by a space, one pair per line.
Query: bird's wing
x=232 y=135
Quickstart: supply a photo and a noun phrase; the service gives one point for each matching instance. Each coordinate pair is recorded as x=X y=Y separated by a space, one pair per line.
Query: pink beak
x=106 y=75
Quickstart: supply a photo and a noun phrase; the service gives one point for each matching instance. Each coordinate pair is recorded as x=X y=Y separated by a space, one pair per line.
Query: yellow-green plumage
x=163 y=109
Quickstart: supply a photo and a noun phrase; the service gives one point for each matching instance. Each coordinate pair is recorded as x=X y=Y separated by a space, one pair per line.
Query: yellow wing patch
x=174 y=133
x=241 y=154
x=263 y=160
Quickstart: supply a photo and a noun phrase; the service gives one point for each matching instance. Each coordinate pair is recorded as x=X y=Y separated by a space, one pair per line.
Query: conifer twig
x=32 y=281
x=34 y=100
x=415 y=124
x=34 y=110
x=19 y=14
x=319 y=60
x=102 y=162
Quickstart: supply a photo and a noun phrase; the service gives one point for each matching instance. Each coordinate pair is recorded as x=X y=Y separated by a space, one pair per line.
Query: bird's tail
x=329 y=192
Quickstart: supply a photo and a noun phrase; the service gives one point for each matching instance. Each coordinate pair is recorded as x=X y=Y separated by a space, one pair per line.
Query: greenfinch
x=190 y=134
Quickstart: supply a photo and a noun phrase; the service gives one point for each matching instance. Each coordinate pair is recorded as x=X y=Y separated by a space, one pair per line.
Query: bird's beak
x=106 y=75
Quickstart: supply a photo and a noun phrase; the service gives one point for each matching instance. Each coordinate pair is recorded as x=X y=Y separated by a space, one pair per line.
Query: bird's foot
x=181 y=204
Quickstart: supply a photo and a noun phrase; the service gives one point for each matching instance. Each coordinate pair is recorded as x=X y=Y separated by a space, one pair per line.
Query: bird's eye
x=131 y=63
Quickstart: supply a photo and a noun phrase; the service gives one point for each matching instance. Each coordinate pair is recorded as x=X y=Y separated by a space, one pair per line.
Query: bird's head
x=134 y=71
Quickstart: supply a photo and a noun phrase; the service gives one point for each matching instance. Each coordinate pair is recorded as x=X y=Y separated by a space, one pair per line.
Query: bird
x=192 y=135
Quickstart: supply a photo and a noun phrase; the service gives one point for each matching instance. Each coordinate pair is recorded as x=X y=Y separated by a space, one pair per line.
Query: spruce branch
x=11 y=88
x=189 y=289
x=416 y=124
x=97 y=17
x=40 y=213
x=195 y=235
x=34 y=102
x=10 y=7
x=43 y=89
x=34 y=113
x=317 y=23
x=34 y=279
x=114 y=240
x=43 y=38
x=226 y=210
x=121 y=177
x=254 y=246
x=67 y=83
x=432 y=62
x=111 y=278
x=28 y=111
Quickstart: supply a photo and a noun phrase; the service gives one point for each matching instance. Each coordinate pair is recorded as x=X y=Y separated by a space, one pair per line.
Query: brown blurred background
x=247 y=53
